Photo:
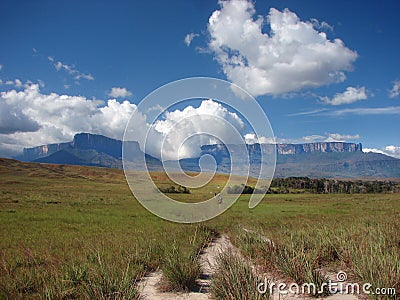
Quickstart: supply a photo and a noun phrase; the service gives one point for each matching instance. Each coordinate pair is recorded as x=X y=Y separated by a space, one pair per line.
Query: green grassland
x=78 y=232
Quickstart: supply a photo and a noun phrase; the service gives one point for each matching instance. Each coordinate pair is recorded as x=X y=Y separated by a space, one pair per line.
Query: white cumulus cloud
x=170 y=135
x=118 y=92
x=337 y=137
x=395 y=91
x=14 y=120
x=350 y=95
x=251 y=138
x=391 y=150
x=18 y=83
x=291 y=56
x=328 y=137
x=314 y=138
x=30 y=118
x=189 y=38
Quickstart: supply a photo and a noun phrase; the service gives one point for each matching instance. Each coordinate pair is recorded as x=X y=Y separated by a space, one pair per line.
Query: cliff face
x=30 y=154
x=112 y=147
x=255 y=150
x=81 y=141
x=321 y=147
x=100 y=143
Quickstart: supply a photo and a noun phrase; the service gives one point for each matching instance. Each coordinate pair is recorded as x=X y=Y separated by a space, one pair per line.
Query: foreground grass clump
x=234 y=279
x=180 y=269
x=97 y=277
x=110 y=282
x=301 y=259
x=369 y=252
x=372 y=252
x=298 y=256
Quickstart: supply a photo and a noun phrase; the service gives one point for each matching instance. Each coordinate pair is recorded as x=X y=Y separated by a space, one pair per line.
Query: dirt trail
x=208 y=258
x=207 y=263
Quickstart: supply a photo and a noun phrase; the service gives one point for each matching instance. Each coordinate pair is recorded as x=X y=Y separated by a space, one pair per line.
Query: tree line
x=320 y=186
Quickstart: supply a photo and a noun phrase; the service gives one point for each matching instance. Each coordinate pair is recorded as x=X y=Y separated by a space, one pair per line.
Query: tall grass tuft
x=180 y=271
x=297 y=255
x=107 y=281
x=148 y=254
x=234 y=280
x=181 y=267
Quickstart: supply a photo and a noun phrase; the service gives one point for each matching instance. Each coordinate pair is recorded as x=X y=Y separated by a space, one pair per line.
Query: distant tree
x=175 y=190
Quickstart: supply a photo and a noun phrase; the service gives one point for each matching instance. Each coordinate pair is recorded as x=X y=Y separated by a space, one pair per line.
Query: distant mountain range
x=323 y=159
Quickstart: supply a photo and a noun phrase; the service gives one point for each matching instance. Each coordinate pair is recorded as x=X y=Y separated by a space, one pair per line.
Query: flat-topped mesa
x=81 y=141
x=100 y=143
x=219 y=150
x=321 y=147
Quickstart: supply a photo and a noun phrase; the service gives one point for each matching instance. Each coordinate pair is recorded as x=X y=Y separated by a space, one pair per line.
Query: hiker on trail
x=219 y=199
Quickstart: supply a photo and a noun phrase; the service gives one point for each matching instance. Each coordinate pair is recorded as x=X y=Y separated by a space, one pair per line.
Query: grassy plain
x=77 y=232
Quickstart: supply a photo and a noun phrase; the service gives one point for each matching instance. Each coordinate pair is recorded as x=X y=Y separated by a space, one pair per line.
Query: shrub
x=175 y=190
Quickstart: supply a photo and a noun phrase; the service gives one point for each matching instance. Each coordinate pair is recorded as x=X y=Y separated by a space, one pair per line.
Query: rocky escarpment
x=100 y=143
x=219 y=150
x=113 y=147
x=31 y=154
x=81 y=141
x=322 y=147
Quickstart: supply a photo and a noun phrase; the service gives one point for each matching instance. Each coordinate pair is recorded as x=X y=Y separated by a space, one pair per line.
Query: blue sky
x=60 y=61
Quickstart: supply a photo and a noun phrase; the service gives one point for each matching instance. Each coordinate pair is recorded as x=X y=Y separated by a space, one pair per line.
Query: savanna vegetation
x=71 y=232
